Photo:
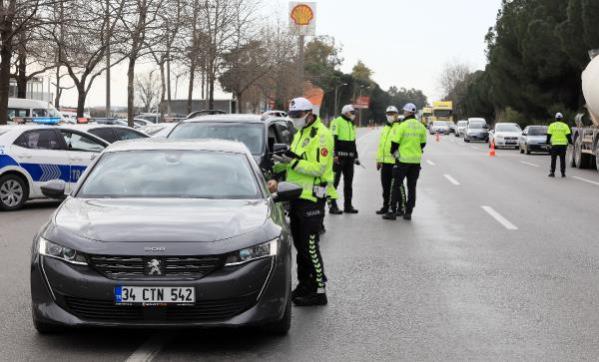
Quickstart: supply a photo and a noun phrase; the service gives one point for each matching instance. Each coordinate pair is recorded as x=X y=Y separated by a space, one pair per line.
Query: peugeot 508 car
x=165 y=234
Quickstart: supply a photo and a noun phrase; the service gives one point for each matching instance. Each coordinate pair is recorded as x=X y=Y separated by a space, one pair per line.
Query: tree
x=18 y=18
x=362 y=73
x=83 y=41
x=148 y=90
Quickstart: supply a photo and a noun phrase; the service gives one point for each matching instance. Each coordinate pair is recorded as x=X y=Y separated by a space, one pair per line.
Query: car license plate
x=154 y=295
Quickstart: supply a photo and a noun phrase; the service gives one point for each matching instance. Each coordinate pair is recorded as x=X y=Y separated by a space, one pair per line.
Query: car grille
x=201 y=311
x=172 y=267
x=511 y=139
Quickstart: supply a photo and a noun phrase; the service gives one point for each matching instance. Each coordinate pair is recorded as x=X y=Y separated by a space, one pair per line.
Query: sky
x=405 y=42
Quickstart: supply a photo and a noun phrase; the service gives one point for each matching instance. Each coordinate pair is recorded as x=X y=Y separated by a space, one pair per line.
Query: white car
x=32 y=155
x=109 y=133
x=159 y=130
x=441 y=127
x=506 y=135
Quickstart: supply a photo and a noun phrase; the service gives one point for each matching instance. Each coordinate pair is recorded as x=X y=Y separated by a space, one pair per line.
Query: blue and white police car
x=31 y=155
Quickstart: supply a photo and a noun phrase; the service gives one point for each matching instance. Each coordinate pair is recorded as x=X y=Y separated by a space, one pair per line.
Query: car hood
x=478 y=131
x=508 y=134
x=159 y=220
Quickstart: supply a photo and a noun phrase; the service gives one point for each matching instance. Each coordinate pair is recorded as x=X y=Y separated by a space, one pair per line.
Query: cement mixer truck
x=586 y=136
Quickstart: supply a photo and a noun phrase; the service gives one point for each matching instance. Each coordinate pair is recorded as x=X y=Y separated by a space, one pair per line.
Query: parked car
x=461 y=128
x=262 y=137
x=21 y=111
x=110 y=133
x=190 y=238
x=476 y=130
x=151 y=117
x=30 y=155
x=440 y=127
x=505 y=135
x=534 y=139
x=110 y=121
x=211 y=112
x=159 y=130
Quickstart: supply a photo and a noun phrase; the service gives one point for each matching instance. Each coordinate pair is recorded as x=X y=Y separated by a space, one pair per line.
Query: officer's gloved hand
x=282 y=159
x=357 y=162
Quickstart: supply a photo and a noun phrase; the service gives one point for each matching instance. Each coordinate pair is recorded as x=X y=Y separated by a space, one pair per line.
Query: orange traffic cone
x=492 y=151
x=438 y=137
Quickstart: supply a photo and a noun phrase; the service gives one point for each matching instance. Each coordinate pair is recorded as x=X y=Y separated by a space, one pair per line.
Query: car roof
x=85 y=127
x=152 y=144
x=227 y=118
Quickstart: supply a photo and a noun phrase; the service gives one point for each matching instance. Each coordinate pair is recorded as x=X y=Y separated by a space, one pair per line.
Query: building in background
x=35 y=90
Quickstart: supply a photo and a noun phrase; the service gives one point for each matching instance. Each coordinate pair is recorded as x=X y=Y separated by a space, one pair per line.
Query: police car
x=31 y=155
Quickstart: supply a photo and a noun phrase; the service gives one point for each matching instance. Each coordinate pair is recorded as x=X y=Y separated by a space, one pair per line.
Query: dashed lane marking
x=431 y=163
x=452 y=180
x=530 y=164
x=499 y=218
x=150 y=349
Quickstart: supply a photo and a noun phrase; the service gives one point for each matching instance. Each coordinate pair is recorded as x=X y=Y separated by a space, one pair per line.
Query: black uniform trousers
x=387 y=184
x=306 y=218
x=345 y=168
x=558 y=151
x=403 y=171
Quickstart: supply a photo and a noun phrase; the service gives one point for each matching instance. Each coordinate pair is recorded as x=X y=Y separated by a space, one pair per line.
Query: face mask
x=300 y=123
x=390 y=119
x=352 y=117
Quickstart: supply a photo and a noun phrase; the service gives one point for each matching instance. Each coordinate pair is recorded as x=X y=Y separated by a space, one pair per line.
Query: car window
x=127 y=134
x=79 y=142
x=172 y=174
x=507 y=128
x=252 y=135
x=285 y=135
x=43 y=139
x=104 y=133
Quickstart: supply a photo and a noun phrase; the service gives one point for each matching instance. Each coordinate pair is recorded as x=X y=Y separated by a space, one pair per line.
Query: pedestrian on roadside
x=407 y=145
x=559 y=137
x=385 y=161
x=346 y=156
x=308 y=164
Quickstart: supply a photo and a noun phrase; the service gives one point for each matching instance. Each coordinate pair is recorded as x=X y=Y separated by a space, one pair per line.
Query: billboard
x=362 y=102
x=302 y=18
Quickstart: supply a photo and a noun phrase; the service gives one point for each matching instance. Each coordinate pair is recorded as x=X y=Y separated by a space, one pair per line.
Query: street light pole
x=337 y=97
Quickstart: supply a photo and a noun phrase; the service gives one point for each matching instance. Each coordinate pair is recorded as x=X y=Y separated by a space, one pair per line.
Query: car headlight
x=52 y=250
x=246 y=255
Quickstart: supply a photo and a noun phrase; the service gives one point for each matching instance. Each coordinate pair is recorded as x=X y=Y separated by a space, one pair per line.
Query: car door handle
x=24 y=156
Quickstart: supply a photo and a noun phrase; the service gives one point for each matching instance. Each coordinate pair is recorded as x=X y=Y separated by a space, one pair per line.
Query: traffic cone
x=438 y=137
x=492 y=151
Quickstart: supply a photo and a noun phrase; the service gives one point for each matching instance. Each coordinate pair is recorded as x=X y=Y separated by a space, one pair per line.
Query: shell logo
x=302 y=15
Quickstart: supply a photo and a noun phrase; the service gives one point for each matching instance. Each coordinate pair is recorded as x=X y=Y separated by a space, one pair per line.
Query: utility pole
x=301 y=61
x=336 y=109
x=108 y=36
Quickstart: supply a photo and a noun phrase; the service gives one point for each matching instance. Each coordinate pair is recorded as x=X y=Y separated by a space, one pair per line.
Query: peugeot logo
x=153 y=267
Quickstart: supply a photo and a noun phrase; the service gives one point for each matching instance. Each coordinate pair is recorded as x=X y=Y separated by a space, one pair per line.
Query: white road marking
x=587 y=181
x=500 y=219
x=529 y=164
x=452 y=180
x=431 y=163
x=150 y=349
x=475 y=148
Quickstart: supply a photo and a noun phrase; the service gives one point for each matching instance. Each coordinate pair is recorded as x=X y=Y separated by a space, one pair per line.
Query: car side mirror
x=287 y=192
x=280 y=149
x=54 y=189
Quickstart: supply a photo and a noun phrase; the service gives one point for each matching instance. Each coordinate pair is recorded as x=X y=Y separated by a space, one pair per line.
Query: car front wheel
x=13 y=192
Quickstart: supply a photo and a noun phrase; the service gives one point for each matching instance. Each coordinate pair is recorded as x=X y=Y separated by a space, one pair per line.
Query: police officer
x=346 y=155
x=309 y=164
x=407 y=144
x=385 y=161
x=558 y=136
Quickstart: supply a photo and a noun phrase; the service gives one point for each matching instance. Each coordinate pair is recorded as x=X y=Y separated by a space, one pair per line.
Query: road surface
x=499 y=262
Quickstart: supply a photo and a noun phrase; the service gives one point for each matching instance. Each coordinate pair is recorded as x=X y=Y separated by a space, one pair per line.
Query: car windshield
x=507 y=128
x=476 y=125
x=443 y=113
x=440 y=124
x=252 y=135
x=537 y=131
x=462 y=124
x=171 y=174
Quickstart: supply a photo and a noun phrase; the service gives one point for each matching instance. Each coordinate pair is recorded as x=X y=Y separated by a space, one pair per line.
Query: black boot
x=552 y=174
x=390 y=216
x=350 y=210
x=300 y=291
x=407 y=217
x=334 y=209
x=312 y=299
x=382 y=211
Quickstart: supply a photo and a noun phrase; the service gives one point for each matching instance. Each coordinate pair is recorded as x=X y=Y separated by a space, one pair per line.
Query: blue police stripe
x=6 y=160
x=45 y=172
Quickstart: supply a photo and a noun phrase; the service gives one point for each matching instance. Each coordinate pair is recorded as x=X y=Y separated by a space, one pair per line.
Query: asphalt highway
x=499 y=263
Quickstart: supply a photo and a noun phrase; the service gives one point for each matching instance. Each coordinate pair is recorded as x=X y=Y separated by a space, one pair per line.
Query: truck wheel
x=578 y=154
x=13 y=192
x=597 y=156
x=572 y=156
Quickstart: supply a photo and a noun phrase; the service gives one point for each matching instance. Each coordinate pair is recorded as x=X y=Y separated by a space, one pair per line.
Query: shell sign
x=303 y=18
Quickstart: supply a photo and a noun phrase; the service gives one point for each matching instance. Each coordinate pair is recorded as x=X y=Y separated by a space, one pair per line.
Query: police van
x=31 y=155
x=31 y=110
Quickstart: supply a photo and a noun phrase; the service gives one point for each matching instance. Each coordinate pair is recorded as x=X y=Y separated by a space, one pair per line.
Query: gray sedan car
x=165 y=234
x=533 y=139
